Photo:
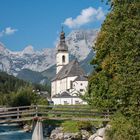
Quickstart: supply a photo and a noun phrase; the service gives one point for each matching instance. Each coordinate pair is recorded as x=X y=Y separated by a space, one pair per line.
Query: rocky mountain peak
x=28 y=50
x=2 y=47
x=79 y=43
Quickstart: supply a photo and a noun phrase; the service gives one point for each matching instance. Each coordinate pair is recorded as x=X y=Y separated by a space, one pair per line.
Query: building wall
x=80 y=86
x=58 y=86
x=59 y=60
x=69 y=80
x=53 y=88
x=68 y=101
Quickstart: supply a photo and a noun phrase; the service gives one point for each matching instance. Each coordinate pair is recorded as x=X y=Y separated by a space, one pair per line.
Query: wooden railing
x=24 y=113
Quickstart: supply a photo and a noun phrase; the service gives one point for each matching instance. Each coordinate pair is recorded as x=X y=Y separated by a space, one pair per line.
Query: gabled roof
x=65 y=94
x=81 y=78
x=69 y=70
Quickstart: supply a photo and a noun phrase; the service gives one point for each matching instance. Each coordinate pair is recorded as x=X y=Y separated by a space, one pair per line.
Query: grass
x=76 y=126
x=70 y=126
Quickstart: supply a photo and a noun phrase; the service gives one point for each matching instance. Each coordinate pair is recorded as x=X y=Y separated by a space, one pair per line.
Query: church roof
x=62 y=44
x=81 y=78
x=71 y=69
x=64 y=95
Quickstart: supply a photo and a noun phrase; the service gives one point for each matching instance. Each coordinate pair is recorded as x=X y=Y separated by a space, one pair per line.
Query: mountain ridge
x=79 y=42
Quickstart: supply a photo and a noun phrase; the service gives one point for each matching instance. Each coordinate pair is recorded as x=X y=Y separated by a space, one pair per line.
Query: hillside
x=9 y=83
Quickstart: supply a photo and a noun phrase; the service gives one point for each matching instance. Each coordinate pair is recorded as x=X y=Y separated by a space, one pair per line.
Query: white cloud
x=86 y=16
x=8 y=31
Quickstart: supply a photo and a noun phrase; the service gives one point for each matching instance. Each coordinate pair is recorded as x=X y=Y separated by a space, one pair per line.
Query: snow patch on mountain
x=28 y=50
x=79 y=43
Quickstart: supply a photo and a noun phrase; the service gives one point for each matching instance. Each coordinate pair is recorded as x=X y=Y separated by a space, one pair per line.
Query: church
x=70 y=80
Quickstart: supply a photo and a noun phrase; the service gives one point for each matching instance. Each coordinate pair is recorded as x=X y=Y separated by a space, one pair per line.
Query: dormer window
x=63 y=59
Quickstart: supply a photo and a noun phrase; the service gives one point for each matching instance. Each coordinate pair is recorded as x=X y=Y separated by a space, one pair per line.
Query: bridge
x=77 y=112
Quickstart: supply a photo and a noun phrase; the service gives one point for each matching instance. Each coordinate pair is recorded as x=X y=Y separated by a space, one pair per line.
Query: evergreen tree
x=115 y=83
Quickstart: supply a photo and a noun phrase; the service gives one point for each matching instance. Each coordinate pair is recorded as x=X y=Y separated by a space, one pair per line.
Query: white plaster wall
x=77 y=85
x=58 y=86
x=79 y=100
x=59 y=62
x=53 y=88
x=70 y=79
x=70 y=101
x=63 y=84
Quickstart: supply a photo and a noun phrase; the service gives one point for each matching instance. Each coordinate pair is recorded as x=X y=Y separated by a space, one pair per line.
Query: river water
x=14 y=132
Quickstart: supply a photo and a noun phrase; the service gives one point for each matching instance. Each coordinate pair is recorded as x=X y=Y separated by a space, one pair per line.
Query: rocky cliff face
x=79 y=43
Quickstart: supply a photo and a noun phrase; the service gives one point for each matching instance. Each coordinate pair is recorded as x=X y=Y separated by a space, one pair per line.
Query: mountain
x=32 y=76
x=39 y=66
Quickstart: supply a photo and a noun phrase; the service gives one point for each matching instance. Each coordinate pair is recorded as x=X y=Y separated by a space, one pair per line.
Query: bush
x=76 y=126
x=123 y=128
x=25 y=97
x=86 y=125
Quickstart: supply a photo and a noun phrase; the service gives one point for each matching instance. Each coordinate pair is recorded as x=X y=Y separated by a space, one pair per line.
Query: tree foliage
x=115 y=83
x=16 y=92
x=23 y=97
x=9 y=83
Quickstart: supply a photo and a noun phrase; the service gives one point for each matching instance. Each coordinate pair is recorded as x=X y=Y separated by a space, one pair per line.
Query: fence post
x=17 y=112
x=36 y=108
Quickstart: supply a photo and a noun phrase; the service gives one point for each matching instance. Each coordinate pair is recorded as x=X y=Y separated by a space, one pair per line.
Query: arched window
x=63 y=58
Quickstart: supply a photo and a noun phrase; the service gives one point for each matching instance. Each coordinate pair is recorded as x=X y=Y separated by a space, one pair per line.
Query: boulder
x=72 y=136
x=85 y=134
x=98 y=138
x=56 y=134
x=101 y=132
x=92 y=137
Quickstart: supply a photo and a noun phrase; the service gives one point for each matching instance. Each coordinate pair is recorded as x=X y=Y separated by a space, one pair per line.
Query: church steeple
x=62 y=44
x=62 y=56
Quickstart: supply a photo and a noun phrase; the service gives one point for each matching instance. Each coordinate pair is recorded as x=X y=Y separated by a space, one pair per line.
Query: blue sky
x=38 y=22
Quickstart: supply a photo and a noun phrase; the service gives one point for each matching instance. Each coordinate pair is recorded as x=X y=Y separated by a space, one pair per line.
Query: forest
x=16 y=92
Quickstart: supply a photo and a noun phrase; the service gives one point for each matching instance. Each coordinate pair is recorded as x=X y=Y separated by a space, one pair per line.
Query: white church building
x=70 y=80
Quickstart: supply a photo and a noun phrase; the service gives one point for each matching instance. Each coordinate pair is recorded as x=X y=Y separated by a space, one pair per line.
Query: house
x=70 y=80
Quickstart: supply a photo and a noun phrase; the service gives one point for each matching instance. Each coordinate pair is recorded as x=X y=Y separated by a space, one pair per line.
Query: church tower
x=62 y=56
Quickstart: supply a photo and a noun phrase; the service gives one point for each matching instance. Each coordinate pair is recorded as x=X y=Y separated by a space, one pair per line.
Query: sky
x=38 y=22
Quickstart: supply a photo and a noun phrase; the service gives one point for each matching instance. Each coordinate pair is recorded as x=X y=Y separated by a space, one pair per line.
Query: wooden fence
x=24 y=113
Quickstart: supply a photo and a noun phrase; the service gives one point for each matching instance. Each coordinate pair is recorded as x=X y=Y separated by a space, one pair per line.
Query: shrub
x=123 y=128
x=86 y=125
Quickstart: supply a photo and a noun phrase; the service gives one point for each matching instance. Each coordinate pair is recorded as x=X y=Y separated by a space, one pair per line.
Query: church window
x=81 y=90
x=66 y=103
x=77 y=102
x=63 y=58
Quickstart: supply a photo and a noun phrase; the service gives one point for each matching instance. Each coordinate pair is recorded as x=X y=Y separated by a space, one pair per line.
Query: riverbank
x=75 y=130
x=62 y=130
